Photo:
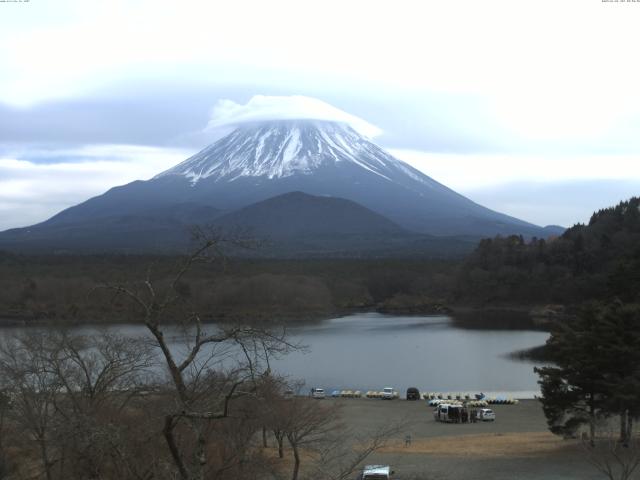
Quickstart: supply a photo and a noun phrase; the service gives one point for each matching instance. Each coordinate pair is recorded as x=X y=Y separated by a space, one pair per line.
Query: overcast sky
x=530 y=108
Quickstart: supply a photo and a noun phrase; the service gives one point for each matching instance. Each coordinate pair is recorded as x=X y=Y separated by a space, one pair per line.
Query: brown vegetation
x=106 y=407
x=485 y=445
x=54 y=288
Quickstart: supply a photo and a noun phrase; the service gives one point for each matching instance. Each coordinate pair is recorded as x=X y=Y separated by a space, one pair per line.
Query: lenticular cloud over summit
x=295 y=107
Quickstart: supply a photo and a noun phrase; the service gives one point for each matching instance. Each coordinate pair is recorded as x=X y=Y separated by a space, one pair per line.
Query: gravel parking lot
x=516 y=446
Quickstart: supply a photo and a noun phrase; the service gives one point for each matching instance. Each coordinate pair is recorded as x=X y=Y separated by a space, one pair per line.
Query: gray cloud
x=157 y=112
x=560 y=203
x=32 y=191
x=163 y=114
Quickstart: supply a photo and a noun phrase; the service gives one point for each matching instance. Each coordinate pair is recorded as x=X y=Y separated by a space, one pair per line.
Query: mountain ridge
x=263 y=160
x=300 y=214
x=237 y=171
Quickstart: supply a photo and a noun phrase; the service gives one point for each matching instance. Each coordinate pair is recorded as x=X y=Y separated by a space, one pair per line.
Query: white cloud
x=498 y=48
x=541 y=75
x=31 y=192
x=265 y=107
x=466 y=172
x=560 y=190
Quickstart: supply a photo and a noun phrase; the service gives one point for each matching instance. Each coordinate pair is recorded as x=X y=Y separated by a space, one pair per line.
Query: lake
x=369 y=351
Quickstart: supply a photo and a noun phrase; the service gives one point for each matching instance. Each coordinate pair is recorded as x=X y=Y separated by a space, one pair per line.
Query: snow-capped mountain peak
x=282 y=148
x=297 y=176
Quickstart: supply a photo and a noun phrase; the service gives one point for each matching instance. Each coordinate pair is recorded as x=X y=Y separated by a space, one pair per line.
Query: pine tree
x=596 y=372
x=619 y=326
x=574 y=390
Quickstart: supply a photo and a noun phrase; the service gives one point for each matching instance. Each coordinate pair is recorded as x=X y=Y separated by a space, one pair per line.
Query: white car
x=376 y=472
x=317 y=393
x=388 y=393
x=486 y=415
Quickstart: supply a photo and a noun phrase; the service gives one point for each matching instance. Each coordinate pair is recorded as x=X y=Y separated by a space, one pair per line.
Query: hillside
x=298 y=214
x=599 y=260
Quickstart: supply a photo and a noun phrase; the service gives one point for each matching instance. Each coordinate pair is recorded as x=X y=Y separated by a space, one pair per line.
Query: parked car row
x=434 y=402
x=450 y=411
x=387 y=393
x=467 y=397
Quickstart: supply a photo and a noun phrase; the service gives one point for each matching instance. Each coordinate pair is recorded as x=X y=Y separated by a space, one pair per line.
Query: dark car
x=413 y=393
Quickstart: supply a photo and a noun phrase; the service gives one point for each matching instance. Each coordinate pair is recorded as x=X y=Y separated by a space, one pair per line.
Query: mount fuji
x=341 y=179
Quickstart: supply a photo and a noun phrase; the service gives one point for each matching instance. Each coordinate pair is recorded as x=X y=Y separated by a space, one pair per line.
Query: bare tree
x=273 y=409
x=33 y=390
x=90 y=408
x=614 y=459
x=100 y=375
x=348 y=450
x=99 y=369
x=214 y=366
x=314 y=430
x=68 y=394
x=5 y=406
x=308 y=427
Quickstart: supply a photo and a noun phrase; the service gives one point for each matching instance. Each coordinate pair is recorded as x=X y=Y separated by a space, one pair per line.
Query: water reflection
x=369 y=351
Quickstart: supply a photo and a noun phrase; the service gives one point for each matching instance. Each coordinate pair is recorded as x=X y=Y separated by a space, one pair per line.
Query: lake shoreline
x=372 y=350
x=464 y=316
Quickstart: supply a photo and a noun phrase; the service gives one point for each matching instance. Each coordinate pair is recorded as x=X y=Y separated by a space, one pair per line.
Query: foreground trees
x=69 y=397
x=318 y=441
x=217 y=366
x=613 y=459
x=597 y=372
x=187 y=400
x=93 y=407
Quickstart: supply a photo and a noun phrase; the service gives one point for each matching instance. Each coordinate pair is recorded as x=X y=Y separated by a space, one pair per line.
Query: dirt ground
x=516 y=446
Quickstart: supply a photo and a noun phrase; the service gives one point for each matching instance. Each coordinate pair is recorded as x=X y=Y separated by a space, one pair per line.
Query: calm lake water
x=370 y=351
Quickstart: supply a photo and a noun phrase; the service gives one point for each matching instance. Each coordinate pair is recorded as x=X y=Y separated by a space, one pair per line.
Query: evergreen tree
x=574 y=390
x=596 y=372
x=619 y=327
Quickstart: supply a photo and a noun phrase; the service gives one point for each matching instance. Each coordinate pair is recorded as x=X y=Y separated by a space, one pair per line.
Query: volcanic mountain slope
x=292 y=225
x=298 y=214
x=300 y=225
x=164 y=229
x=263 y=160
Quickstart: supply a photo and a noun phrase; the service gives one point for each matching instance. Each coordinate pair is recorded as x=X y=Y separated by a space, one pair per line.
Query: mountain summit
x=263 y=160
x=279 y=149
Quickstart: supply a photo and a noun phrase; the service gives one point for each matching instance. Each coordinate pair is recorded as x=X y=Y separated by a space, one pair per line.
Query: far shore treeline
x=596 y=261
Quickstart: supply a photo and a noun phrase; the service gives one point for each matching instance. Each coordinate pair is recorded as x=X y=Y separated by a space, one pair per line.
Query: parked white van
x=445 y=412
x=376 y=472
x=317 y=393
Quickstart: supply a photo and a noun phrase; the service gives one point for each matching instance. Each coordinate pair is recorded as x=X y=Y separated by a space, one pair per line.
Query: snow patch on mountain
x=278 y=149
